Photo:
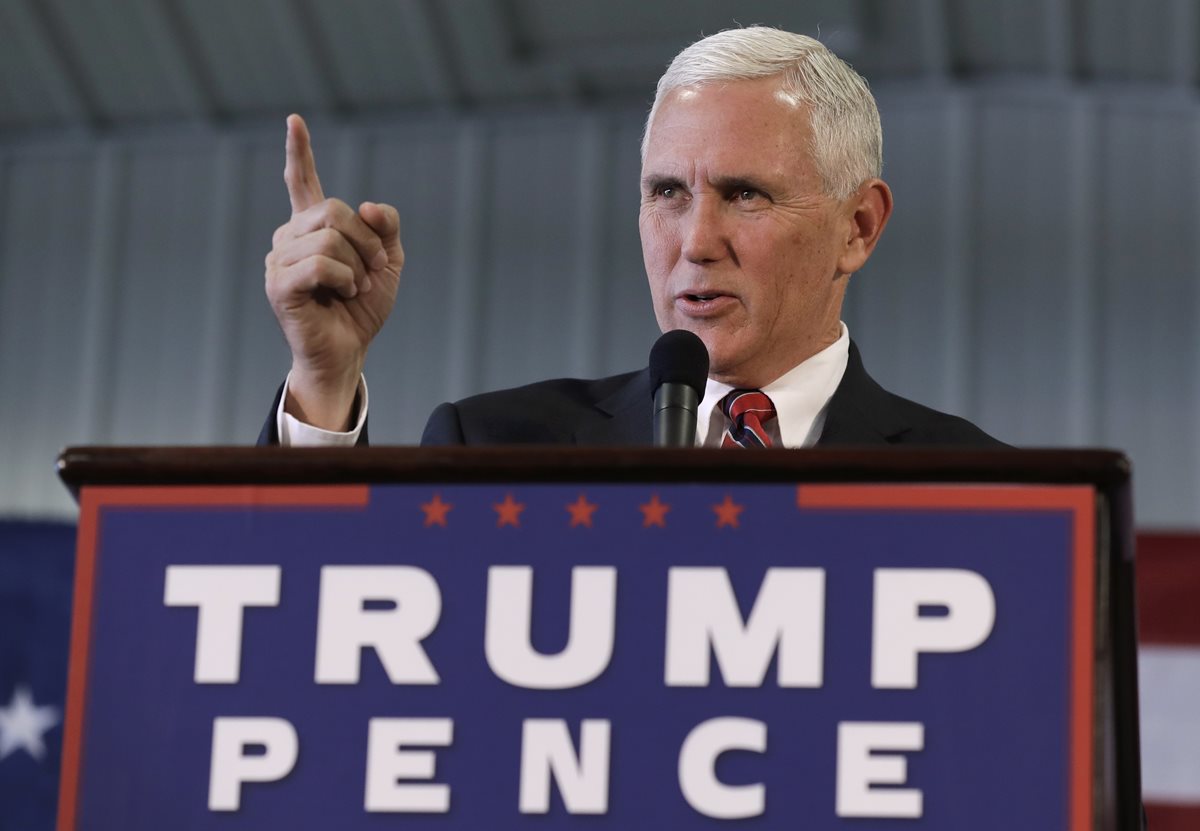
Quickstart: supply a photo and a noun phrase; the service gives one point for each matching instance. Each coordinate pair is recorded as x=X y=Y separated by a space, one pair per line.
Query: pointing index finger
x=300 y=169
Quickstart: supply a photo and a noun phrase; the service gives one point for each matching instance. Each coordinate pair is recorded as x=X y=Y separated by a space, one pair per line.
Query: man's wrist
x=322 y=400
x=293 y=432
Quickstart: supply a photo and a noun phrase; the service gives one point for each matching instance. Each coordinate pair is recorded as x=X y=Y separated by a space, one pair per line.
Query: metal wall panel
x=43 y=307
x=162 y=273
x=627 y=327
x=535 y=194
x=1147 y=282
x=1040 y=274
x=1025 y=333
x=908 y=307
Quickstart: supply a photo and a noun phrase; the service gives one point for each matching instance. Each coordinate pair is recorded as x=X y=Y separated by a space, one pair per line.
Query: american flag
x=1168 y=568
x=36 y=565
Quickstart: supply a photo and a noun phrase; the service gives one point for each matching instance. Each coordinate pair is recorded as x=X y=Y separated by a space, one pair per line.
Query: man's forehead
x=755 y=109
x=771 y=87
x=728 y=130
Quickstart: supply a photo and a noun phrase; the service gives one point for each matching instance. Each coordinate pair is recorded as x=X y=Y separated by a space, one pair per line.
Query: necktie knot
x=748 y=411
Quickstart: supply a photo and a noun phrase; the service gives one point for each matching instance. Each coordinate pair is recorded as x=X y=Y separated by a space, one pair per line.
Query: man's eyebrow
x=653 y=181
x=735 y=183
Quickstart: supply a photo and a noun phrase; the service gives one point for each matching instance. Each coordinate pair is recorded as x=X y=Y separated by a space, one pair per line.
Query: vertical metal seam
x=219 y=351
x=102 y=292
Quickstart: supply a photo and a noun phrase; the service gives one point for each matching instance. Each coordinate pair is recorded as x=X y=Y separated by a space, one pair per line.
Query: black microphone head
x=679 y=357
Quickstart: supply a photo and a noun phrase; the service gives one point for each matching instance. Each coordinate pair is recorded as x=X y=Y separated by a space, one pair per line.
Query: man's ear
x=867 y=212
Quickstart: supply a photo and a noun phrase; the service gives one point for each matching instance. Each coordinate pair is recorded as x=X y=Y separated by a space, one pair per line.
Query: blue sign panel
x=590 y=655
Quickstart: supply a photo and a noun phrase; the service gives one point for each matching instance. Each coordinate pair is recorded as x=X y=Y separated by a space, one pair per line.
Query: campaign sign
x=597 y=656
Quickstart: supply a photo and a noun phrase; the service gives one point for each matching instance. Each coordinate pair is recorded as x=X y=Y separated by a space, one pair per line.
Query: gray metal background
x=1039 y=276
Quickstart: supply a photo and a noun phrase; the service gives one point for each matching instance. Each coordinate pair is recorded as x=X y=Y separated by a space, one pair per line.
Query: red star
x=581 y=511
x=727 y=512
x=508 y=512
x=435 y=511
x=654 y=512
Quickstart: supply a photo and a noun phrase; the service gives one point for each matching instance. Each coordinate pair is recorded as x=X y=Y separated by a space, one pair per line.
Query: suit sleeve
x=443 y=428
x=269 y=435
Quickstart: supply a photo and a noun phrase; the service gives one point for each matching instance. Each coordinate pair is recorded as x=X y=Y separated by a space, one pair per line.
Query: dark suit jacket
x=616 y=411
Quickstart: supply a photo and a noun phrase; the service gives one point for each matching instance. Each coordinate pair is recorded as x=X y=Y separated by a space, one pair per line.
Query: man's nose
x=704 y=234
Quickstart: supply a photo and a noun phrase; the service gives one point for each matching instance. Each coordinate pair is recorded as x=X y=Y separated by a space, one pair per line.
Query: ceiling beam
x=53 y=60
x=650 y=54
x=178 y=54
x=559 y=77
x=429 y=46
x=1059 y=44
x=934 y=32
x=308 y=54
x=494 y=56
x=1184 y=40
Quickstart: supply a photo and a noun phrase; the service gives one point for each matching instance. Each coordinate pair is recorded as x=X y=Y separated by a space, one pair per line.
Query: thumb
x=384 y=220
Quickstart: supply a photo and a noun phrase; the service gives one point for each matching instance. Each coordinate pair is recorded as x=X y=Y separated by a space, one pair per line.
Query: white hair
x=847 y=141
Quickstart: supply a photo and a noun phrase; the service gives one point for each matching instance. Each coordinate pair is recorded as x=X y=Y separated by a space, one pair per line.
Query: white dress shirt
x=801 y=397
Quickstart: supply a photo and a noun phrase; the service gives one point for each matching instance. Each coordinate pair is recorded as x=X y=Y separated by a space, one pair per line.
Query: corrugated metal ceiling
x=99 y=63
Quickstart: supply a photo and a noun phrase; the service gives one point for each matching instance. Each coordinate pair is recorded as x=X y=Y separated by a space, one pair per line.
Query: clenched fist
x=332 y=275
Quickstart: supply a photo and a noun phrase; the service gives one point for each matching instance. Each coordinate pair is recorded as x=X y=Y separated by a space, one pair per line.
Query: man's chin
x=727 y=370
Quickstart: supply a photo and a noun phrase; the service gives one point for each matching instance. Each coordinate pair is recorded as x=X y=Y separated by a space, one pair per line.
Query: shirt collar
x=801 y=396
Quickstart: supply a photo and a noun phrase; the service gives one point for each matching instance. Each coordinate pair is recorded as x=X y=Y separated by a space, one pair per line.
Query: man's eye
x=667 y=192
x=747 y=195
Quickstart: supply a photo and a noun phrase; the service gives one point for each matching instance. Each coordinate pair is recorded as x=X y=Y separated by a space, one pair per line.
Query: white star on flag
x=23 y=725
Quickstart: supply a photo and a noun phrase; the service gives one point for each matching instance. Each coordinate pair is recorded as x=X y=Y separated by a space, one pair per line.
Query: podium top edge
x=89 y=466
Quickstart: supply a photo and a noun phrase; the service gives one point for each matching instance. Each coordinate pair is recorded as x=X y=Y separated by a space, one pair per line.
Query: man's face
x=741 y=245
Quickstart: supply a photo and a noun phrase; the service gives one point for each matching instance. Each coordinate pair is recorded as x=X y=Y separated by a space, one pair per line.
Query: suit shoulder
x=861 y=412
x=546 y=412
x=555 y=391
x=928 y=426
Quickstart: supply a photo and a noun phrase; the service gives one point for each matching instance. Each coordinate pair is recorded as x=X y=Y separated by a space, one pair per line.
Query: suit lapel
x=623 y=418
x=861 y=411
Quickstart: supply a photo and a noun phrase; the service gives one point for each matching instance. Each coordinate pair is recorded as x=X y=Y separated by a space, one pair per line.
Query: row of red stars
x=508 y=512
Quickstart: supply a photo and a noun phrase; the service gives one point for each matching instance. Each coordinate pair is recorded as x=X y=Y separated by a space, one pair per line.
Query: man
x=760 y=197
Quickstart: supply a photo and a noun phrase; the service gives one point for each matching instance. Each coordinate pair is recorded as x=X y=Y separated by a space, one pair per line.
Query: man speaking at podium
x=760 y=196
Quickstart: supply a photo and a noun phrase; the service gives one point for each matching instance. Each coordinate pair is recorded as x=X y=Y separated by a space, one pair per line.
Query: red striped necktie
x=749 y=412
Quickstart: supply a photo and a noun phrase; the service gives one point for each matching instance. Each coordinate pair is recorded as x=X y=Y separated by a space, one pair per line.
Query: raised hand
x=331 y=276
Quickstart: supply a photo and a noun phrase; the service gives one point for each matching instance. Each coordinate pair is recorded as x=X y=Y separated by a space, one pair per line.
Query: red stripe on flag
x=1172 y=817
x=1168 y=589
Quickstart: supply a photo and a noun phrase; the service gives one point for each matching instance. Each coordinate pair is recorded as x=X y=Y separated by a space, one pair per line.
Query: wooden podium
x=566 y=638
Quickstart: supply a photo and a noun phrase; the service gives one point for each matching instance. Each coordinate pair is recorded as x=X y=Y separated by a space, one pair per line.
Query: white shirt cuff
x=295 y=433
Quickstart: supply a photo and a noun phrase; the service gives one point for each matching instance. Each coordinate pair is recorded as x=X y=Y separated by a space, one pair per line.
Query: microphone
x=678 y=373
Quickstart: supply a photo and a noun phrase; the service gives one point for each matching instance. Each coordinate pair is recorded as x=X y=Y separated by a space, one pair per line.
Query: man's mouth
x=701 y=295
x=703 y=303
